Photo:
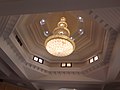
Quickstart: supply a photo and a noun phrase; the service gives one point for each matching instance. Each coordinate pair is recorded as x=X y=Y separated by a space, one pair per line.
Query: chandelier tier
x=59 y=44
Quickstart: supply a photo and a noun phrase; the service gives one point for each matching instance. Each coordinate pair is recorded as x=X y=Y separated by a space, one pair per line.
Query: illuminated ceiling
x=22 y=37
x=87 y=45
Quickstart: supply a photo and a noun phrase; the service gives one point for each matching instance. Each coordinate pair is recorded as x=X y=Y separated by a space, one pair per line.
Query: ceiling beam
x=114 y=66
x=10 y=63
x=4 y=69
x=13 y=7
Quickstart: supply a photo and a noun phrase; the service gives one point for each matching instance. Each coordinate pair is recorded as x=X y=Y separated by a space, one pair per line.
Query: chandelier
x=60 y=44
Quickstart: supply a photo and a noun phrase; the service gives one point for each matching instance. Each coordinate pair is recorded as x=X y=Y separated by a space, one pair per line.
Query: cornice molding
x=110 y=37
x=99 y=20
x=15 y=57
x=10 y=26
x=3 y=21
x=40 y=69
x=46 y=71
x=110 y=44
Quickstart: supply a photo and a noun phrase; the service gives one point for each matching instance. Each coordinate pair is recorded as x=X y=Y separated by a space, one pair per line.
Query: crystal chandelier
x=59 y=44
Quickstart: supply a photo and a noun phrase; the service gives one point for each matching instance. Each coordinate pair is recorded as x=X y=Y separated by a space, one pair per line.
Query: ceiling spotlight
x=80 y=19
x=80 y=30
x=42 y=22
x=46 y=32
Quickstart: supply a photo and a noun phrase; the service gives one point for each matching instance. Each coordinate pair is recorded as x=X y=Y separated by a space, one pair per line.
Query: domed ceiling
x=94 y=31
x=87 y=34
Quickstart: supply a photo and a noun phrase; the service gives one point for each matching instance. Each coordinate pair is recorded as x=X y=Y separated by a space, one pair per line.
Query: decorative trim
x=46 y=72
x=3 y=21
x=110 y=38
x=99 y=20
x=10 y=26
x=110 y=44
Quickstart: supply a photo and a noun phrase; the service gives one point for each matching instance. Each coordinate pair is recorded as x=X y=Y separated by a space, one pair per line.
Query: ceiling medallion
x=60 y=44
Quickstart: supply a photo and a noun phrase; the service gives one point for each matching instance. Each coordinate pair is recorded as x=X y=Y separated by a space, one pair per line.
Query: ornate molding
x=48 y=72
x=109 y=39
x=36 y=68
x=110 y=45
x=10 y=26
x=3 y=21
x=99 y=20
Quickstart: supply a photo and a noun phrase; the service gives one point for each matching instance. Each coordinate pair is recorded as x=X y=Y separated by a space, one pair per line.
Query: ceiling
x=101 y=37
x=32 y=35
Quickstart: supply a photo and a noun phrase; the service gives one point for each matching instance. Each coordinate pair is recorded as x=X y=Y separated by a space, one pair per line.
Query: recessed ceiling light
x=63 y=64
x=69 y=65
x=35 y=58
x=96 y=58
x=91 y=60
x=40 y=60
